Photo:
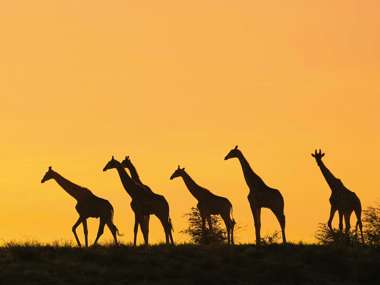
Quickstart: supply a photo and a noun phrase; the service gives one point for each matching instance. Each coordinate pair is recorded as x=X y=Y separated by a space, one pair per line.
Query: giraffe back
x=95 y=207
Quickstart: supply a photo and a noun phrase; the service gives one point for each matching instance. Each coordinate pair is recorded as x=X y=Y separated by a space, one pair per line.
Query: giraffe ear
x=236 y=147
x=312 y=154
x=183 y=168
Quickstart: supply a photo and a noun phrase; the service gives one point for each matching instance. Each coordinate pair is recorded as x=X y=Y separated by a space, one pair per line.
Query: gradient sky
x=182 y=82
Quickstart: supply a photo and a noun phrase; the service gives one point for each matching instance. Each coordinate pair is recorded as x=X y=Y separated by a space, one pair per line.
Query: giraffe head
x=235 y=152
x=48 y=175
x=177 y=173
x=126 y=163
x=318 y=154
x=113 y=163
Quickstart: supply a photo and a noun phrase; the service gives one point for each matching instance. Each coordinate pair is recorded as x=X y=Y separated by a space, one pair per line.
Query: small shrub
x=215 y=236
x=326 y=236
x=371 y=224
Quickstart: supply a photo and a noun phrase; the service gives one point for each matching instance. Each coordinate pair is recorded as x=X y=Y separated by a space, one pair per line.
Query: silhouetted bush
x=371 y=226
x=217 y=236
x=326 y=236
x=270 y=238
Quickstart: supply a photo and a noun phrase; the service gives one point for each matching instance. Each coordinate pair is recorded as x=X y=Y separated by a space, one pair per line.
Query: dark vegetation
x=371 y=222
x=189 y=264
x=326 y=236
x=217 y=235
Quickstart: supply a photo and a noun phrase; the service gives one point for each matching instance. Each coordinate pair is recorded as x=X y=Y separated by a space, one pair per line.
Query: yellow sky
x=181 y=82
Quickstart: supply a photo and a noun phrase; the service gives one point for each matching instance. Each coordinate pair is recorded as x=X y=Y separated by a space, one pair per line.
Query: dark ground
x=189 y=264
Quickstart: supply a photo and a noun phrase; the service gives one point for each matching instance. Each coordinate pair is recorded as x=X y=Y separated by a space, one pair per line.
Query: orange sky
x=181 y=82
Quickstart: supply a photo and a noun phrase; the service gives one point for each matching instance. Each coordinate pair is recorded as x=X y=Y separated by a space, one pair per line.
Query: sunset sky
x=182 y=82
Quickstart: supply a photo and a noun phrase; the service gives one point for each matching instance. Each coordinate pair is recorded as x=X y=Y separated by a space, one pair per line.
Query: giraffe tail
x=358 y=213
x=115 y=227
x=233 y=222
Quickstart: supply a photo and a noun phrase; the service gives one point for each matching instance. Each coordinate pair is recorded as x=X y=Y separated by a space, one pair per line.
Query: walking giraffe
x=157 y=203
x=260 y=195
x=88 y=206
x=341 y=199
x=208 y=204
x=142 y=204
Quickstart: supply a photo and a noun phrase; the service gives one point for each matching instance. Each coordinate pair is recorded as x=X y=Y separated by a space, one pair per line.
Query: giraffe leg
x=347 y=222
x=85 y=230
x=340 y=220
x=281 y=219
x=144 y=225
x=232 y=231
x=359 y=224
x=113 y=230
x=135 y=229
x=257 y=221
x=147 y=219
x=203 y=225
x=166 y=226
x=100 y=230
x=332 y=213
x=203 y=218
x=227 y=222
x=74 y=229
x=167 y=232
x=229 y=232
x=170 y=231
x=203 y=215
x=209 y=222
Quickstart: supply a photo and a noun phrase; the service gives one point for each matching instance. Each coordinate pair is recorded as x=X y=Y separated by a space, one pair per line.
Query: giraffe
x=208 y=204
x=341 y=199
x=140 y=203
x=260 y=195
x=157 y=203
x=88 y=206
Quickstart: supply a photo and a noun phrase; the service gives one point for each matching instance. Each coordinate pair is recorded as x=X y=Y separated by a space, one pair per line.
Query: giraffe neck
x=135 y=176
x=329 y=177
x=251 y=178
x=197 y=191
x=128 y=183
x=74 y=190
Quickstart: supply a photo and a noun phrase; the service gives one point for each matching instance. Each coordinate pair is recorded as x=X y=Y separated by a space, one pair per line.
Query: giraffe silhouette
x=157 y=204
x=341 y=199
x=260 y=195
x=140 y=200
x=88 y=206
x=208 y=204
